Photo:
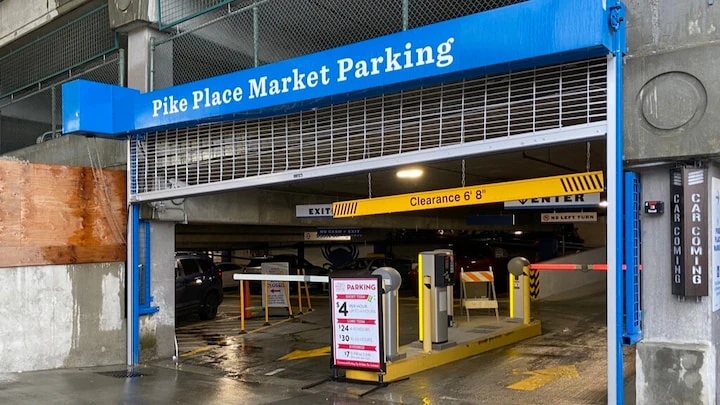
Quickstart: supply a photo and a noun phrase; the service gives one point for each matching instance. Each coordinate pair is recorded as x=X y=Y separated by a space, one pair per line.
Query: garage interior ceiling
x=540 y=162
x=518 y=165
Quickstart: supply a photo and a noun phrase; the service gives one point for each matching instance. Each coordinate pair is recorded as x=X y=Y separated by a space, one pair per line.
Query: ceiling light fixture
x=603 y=204
x=409 y=173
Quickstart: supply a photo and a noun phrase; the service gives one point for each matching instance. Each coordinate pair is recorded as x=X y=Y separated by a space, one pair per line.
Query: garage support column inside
x=677 y=359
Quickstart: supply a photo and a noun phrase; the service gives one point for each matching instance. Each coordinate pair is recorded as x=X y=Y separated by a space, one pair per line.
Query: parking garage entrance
x=494 y=87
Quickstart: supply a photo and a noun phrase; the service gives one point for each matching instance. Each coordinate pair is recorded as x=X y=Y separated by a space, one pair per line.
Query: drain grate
x=122 y=374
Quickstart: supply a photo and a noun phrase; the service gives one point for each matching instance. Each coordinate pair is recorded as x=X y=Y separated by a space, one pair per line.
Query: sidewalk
x=157 y=385
x=249 y=369
x=165 y=384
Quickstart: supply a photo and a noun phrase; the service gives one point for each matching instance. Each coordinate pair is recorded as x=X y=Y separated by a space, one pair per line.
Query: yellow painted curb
x=304 y=354
x=420 y=361
x=540 y=378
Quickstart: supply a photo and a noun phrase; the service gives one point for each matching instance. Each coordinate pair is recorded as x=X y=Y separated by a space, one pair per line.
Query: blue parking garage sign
x=536 y=33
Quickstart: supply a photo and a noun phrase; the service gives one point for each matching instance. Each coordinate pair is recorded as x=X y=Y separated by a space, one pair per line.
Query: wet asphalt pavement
x=566 y=365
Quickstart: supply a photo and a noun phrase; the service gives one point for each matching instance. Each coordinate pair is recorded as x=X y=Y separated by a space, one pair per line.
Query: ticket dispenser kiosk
x=438 y=273
x=450 y=292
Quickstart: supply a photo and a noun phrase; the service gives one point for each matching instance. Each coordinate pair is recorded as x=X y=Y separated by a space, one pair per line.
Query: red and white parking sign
x=357 y=323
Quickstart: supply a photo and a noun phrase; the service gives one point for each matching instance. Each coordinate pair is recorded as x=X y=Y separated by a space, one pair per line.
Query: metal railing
x=31 y=76
x=34 y=116
x=36 y=65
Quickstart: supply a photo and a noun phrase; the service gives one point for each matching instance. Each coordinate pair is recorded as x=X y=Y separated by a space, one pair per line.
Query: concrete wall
x=556 y=282
x=593 y=233
x=62 y=316
x=157 y=331
x=676 y=362
x=672 y=86
x=672 y=106
x=75 y=150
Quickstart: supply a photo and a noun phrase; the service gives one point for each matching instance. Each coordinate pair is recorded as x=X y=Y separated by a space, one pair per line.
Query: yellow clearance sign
x=590 y=182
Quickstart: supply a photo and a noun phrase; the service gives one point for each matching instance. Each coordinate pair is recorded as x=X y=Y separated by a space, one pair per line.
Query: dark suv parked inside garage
x=198 y=285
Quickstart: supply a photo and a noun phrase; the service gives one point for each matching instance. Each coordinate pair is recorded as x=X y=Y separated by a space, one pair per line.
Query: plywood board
x=61 y=214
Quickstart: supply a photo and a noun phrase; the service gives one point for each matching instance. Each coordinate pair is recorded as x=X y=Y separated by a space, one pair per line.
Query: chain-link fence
x=174 y=12
x=36 y=116
x=81 y=40
x=245 y=34
x=31 y=76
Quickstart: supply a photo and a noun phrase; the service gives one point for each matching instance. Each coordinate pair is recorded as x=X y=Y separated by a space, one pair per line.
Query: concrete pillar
x=157 y=331
x=139 y=60
x=677 y=358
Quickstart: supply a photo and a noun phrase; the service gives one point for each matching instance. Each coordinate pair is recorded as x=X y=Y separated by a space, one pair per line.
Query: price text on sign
x=590 y=182
x=357 y=323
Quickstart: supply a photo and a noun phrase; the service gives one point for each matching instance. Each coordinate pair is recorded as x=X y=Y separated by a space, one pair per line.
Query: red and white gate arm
x=572 y=267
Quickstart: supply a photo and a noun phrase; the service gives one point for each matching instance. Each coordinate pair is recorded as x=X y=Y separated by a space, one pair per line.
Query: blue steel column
x=136 y=283
x=133 y=260
x=619 y=197
x=616 y=200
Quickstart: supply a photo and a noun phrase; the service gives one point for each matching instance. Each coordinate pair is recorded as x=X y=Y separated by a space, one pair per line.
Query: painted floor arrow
x=539 y=378
x=304 y=354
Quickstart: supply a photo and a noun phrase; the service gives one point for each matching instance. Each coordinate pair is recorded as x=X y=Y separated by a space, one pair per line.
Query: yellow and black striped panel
x=344 y=209
x=534 y=284
x=583 y=183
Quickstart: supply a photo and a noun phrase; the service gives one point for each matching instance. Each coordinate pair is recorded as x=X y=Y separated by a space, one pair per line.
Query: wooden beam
x=61 y=214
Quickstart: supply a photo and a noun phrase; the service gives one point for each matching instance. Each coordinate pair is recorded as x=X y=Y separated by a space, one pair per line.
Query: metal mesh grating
x=34 y=115
x=174 y=12
x=467 y=111
x=122 y=374
x=325 y=24
x=62 y=50
x=633 y=304
x=225 y=46
x=637 y=307
x=247 y=34
x=425 y=12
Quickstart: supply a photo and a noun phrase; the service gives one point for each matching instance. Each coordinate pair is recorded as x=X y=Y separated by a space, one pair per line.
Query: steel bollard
x=391 y=280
